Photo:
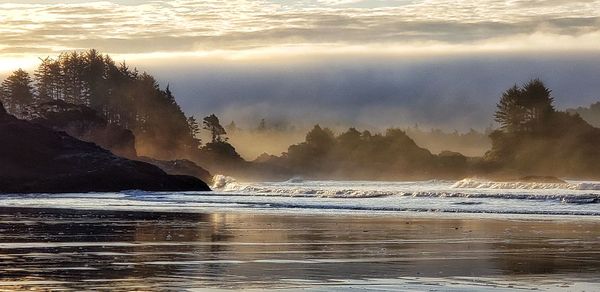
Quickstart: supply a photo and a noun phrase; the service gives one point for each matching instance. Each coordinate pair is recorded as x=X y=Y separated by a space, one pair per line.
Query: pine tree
x=526 y=108
x=212 y=124
x=16 y=92
x=510 y=114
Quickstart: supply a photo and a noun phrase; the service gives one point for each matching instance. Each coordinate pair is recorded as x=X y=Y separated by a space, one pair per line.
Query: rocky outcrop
x=85 y=124
x=36 y=159
x=180 y=167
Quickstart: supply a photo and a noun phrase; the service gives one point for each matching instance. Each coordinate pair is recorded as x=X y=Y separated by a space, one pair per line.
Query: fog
x=450 y=93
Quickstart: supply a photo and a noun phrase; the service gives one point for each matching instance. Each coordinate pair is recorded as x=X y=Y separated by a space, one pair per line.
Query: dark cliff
x=36 y=159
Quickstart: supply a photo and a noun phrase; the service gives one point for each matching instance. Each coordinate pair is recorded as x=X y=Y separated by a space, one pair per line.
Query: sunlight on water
x=317 y=197
x=75 y=250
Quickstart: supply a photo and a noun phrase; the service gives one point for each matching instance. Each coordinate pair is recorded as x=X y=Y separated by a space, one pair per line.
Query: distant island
x=82 y=122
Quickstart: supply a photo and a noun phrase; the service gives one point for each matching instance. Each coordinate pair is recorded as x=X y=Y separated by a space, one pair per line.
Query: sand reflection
x=66 y=249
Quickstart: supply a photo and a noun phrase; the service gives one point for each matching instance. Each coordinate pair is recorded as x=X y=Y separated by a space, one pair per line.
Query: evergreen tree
x=16 y=92
x=510 y=114
x=526 y=108
x=212 y=124
x=48 y=78
x=194 y=130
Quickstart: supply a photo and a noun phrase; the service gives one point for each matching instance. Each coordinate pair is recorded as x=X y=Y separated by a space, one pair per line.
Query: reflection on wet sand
x=77 y=250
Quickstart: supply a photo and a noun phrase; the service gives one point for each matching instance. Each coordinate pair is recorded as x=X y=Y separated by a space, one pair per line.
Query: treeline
x=121 y=95
x=590 y=114
x=534 y=139
x=471 y=143
x=363 y=155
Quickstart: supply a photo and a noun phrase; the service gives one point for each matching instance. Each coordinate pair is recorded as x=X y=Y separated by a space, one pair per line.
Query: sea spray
x=476 y=183
x=223 y=182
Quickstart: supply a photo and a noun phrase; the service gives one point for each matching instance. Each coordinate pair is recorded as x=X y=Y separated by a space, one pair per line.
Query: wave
x=535 y=191
x=230 y=187
x=295 y=180
x=223 y=182
x=425 y=209
x=471 y=183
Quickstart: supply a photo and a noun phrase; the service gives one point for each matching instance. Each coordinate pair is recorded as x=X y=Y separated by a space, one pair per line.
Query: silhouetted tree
x=538 y=102
x=16 y=92
x=526 y=108
x=194 y=129
x=212 y=124
x=48 y=78
x=510 y=114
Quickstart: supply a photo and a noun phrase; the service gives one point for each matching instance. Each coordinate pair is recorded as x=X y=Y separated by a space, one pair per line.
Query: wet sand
x=52 y=249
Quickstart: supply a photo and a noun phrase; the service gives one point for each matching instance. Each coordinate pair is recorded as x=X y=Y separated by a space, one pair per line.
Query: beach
x=75 y=250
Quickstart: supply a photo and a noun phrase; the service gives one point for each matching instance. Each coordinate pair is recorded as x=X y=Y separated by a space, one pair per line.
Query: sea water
x=467 y=235
x=468 y=196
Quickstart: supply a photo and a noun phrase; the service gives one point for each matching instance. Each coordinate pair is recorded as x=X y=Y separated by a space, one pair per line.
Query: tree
x=212 y=124
x=16 y=92
x=537 y=100
x=48 y=78
x=74 y=89
x=194 y=129
x=194 y=126
x=321 y=139
x=510 y=114
x=526 y=108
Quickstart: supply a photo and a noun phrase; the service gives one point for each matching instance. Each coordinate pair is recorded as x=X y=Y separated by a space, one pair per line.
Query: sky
x=365 y=62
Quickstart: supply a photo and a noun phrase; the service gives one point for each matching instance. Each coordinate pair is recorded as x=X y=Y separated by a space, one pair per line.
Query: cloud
x=240 y=25
x=374 y=91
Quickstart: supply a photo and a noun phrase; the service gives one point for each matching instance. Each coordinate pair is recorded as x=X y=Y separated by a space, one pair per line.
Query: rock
x=180 y=167
x=35 y=159
x=85 y=124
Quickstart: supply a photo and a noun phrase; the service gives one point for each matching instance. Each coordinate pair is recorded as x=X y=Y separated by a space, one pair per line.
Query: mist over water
x=457 y=92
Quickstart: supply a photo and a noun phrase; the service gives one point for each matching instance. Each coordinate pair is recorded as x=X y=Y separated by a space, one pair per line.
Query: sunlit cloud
x=258 y=29
x=300 y=58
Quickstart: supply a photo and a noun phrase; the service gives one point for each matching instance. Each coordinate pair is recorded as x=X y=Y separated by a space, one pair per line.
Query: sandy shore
x=80 y=250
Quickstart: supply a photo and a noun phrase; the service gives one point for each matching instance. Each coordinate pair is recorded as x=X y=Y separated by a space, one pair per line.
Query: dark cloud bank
x=451 y=93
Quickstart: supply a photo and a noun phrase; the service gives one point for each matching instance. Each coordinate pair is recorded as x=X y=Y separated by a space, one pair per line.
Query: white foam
x=338 y=197
x=466 y=188
x=473 y=183
x=224 y=183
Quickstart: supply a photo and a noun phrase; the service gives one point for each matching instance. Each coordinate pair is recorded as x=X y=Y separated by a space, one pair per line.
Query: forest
x=91 y=97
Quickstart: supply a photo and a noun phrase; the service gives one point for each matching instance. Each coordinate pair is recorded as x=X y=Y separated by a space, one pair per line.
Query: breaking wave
x=470 y=183
x=468 y=188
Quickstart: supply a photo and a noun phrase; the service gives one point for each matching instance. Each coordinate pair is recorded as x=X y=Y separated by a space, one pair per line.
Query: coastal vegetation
x=536 y=138
x=91 y=98
x=590 y=114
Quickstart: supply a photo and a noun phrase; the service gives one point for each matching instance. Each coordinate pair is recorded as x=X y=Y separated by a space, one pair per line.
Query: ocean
x=468 y=196
x=468 y=235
